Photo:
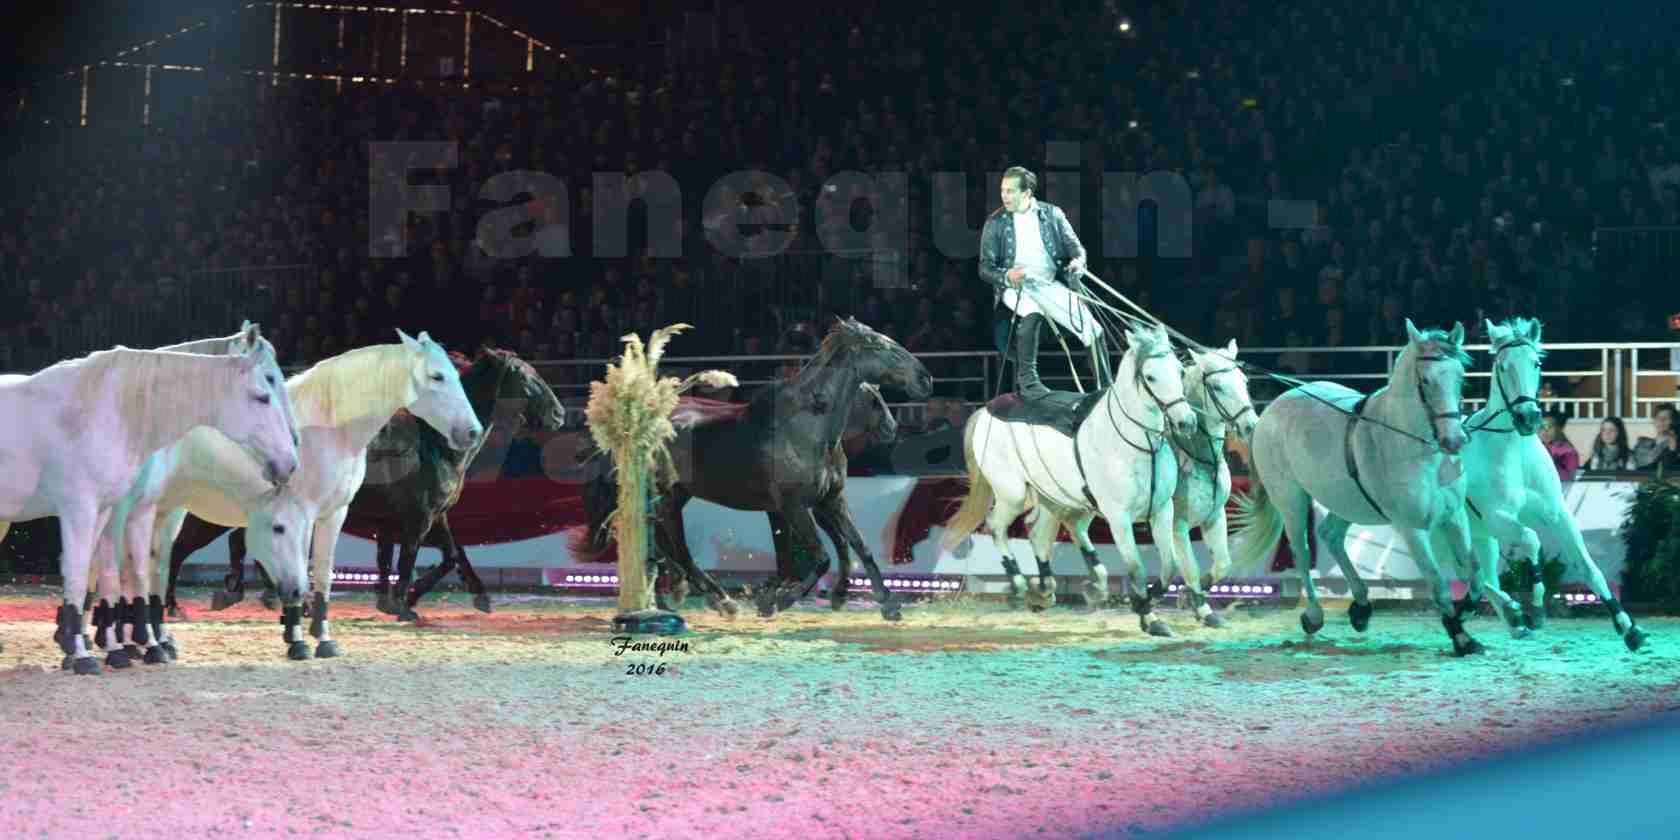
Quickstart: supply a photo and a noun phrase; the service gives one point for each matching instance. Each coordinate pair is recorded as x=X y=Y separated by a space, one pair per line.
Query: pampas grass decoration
x=630 y=419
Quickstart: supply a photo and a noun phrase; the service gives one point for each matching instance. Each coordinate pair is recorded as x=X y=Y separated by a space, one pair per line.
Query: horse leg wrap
x=1464 y=607
x=1615 y=608
x=1463 y=645
x=69 y=628
x=104 y=615
x=137 y=619
x=1140 y=604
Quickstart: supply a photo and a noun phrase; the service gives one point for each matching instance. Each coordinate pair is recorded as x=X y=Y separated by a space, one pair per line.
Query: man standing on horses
x=1031 y=256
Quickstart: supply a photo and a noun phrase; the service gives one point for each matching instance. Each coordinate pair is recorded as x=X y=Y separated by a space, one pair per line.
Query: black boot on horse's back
x=1027 y=383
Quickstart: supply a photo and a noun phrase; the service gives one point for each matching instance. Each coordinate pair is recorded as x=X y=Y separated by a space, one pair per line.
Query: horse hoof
x=1016 y=602
x=1471 y=647
x=269 y=601
x=1520 y=632
x=156 y=656
x=1359 y=615
x=1311 y=626
x=1096 y=597
x=386 y=605
x=133 y=651
x=1534 y=618
x=1214 y=620
x=118 y=659
x=85 y=666
x=1634 y=638
x=728 y=608
x=408 y=615
x=326 y=650
x=836 y=604
x=170 y=650
x=890 y=611
x=177 y=614
x=481 y=602
x=1160 y=628
x=222 y=600
x=297 y=651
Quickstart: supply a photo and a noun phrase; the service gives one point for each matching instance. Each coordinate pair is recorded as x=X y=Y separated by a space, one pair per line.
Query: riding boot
x=1027 y=384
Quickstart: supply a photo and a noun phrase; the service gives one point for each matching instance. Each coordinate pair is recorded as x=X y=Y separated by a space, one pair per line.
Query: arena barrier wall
x=531 y=523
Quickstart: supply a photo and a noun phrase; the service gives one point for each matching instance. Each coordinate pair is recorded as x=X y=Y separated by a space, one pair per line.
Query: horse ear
x=1457 y=334
x=407 y=340
x=250 y=333
x=1231 y=347
x=1491 y=329
x=1534 y=327
x=1412 y=333
x=425 y=337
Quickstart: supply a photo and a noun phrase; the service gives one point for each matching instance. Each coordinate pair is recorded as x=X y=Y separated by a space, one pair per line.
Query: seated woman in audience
x=1563 y=453
x=1661 y=448
x=1610 y=451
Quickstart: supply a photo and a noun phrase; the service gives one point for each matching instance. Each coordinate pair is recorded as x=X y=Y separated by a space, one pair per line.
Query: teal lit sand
x=965 y=720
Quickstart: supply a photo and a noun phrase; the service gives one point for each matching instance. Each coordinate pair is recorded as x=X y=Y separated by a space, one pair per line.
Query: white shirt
x=1029 y=246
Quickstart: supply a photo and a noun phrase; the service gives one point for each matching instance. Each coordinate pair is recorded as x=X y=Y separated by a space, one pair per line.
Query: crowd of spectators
x=1454 y=176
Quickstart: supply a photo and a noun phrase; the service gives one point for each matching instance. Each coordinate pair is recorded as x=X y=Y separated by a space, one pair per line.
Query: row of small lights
x=359 y=577
x=909 y=583
x=1579 y=597
x=590 y=580
x=1232 y=589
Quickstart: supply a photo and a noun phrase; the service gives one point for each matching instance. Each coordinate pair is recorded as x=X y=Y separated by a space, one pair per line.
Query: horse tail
x=977 y=503
x=600 y=496
x=1259 y=527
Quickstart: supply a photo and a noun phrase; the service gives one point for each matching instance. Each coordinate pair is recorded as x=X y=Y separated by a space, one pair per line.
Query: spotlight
x=1125 y=25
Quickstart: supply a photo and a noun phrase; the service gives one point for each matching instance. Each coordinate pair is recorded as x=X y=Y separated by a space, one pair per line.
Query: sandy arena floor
x=965 y=721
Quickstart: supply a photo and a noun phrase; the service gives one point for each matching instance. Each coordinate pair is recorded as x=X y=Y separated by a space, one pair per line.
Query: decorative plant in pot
x=1651 y=533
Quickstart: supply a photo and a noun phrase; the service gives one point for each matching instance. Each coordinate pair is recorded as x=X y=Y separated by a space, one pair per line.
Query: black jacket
x=997 y=244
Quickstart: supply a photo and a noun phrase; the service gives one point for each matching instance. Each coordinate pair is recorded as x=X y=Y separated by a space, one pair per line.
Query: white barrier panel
x=738 y=541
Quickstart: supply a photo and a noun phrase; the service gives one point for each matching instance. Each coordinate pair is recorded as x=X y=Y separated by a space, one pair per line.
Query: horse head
x=1516 y=371
x=517 y=384
x=1219 y=388
x=876 y=358
x=436 y=387
x=1158 y=375
x=286 y=524
x=1435 y=361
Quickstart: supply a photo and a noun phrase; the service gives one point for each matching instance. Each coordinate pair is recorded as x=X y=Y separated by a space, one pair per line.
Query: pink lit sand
x=967 y=721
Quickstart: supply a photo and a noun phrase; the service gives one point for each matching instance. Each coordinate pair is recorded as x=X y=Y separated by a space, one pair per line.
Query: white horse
x=73 y=436
x=1218 y=389
x=128 y=619
x=1513 y=487
x=341 y=404
x=1116 y=464
x=1377 y=460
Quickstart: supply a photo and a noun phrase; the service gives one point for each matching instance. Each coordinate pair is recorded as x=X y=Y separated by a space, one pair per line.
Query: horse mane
x=129 y=378
x=1521 y=328
x=512 y=359
x=1150 y=342
x=353 y=384
x=1443 y=342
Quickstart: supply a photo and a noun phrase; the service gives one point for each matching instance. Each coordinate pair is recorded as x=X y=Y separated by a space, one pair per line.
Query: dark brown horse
x=777 y=454
x=413 y=479
x=871 y=424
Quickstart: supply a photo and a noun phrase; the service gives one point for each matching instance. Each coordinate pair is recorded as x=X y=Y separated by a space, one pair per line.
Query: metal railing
x=1594 y=380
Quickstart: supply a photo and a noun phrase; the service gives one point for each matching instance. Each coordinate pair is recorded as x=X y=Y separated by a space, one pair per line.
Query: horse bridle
x=1139 y=382
x=1217 y=444
x=1428 y=409
x=1499 y=385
